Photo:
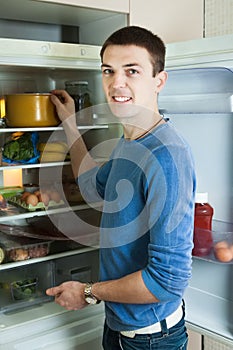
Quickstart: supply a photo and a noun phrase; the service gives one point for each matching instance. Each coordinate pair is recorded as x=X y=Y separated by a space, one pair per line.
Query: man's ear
x=161 y=79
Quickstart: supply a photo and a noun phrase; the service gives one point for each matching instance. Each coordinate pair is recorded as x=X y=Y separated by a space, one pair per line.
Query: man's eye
x=107 y=71
x=132 y=71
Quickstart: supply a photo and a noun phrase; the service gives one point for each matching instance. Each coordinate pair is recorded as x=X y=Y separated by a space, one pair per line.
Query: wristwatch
x=89 y=297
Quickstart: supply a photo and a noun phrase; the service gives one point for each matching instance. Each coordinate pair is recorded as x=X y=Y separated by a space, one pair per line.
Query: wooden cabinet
x=85 y=21
x=121 y=6
x=177 y=20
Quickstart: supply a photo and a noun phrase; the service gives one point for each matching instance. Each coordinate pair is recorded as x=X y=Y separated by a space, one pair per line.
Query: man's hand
x=64 y=104
x=69 y=295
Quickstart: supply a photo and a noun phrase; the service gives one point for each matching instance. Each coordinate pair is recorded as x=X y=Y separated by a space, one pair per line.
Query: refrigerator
x=198 y=100
x=37 y=252
x=44 y=45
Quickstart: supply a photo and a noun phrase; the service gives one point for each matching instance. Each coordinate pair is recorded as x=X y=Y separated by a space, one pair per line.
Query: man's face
x=128 y=81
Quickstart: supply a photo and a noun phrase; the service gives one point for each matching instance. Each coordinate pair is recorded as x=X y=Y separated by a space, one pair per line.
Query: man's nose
x=119 y=80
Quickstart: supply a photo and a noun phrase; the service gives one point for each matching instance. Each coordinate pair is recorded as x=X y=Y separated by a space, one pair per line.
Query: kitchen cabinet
x=114 y=5
x=61 y=21
x=173 y=21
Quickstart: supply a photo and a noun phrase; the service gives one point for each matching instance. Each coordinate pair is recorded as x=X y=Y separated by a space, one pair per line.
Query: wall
x=176 y=20
x=182 y=20
x=218 y=17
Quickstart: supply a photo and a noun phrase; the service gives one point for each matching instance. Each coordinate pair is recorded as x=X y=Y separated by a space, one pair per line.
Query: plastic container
x=203 y=240
x=78 y=90
x=21 y=248
x=24 y=289
x=31 y=187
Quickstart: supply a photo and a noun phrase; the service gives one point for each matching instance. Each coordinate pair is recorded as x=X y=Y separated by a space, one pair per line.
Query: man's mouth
x=121 y=99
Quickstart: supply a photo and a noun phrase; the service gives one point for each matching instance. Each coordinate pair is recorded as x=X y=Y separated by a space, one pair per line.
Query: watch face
x=91 y=300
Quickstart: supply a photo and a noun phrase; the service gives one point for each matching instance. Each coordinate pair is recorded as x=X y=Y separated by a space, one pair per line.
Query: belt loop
x=164 y=329
x=183 y=307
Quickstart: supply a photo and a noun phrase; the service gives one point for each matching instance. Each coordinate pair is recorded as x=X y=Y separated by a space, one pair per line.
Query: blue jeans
x=175 y=338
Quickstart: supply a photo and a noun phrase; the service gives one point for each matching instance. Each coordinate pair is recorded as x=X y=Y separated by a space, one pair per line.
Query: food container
x=24 y=289
x=79 y=91
x=30 y=110
x=31 y=187
x=23 y=248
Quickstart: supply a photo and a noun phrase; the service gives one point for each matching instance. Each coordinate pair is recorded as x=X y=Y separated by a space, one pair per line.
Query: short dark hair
x=138 y=36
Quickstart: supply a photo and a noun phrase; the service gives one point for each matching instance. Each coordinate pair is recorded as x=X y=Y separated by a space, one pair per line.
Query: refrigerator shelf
x=51 y=128
x=19 y=213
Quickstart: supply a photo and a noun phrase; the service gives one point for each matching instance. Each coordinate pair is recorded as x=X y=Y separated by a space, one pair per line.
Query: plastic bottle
x=203 y=240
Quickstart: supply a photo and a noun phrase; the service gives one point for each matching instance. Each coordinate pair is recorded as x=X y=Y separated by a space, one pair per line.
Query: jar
x=202 y=238
x=2 y=255
x=78 y=90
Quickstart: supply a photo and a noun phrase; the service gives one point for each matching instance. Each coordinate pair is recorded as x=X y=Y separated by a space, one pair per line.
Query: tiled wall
x=210 y=344
x=218 y=17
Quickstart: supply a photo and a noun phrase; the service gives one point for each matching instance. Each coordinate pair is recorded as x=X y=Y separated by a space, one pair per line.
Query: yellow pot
x=30 y=110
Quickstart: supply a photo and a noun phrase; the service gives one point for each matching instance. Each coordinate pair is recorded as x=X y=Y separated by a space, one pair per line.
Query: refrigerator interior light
x=13 y=177
x=2 y=108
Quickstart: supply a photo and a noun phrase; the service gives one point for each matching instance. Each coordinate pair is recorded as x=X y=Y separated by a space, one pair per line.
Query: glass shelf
x=222 y=238
x=51 y=128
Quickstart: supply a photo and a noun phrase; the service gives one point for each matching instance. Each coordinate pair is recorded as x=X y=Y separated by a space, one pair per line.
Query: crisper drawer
x=25 y=286
x=54 y=328
x=82 y=267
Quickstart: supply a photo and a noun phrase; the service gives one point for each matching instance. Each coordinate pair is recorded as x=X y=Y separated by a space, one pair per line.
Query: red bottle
x=203 y=240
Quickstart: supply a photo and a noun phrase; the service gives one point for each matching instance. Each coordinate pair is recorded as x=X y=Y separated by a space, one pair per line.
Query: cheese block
x=60 y=147
x=47 y=157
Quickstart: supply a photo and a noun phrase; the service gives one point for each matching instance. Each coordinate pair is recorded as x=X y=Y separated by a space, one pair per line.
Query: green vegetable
x=19 y=149
x=24 y=289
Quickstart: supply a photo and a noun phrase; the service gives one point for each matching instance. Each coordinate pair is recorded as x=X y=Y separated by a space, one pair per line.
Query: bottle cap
x=201 y=197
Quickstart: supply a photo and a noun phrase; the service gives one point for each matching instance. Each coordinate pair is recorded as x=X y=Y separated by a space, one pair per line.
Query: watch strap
x=90 y=298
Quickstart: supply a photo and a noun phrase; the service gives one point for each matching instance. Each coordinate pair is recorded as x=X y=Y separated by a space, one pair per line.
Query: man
x=148 y=188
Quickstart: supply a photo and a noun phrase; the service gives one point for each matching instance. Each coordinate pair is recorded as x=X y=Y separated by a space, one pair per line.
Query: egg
x=224 y=254
x=24 y=195
x=37 y=193
x=221 y=244
x=55 y=196
x=44 y=197
x=31 y=199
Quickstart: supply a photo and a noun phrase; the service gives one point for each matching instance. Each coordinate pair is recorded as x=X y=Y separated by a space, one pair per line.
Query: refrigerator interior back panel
x=210 y=137
x=199 y=102
x=198 y=90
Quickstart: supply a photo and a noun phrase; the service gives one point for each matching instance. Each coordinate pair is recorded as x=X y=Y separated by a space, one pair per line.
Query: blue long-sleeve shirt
x=148 y=190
